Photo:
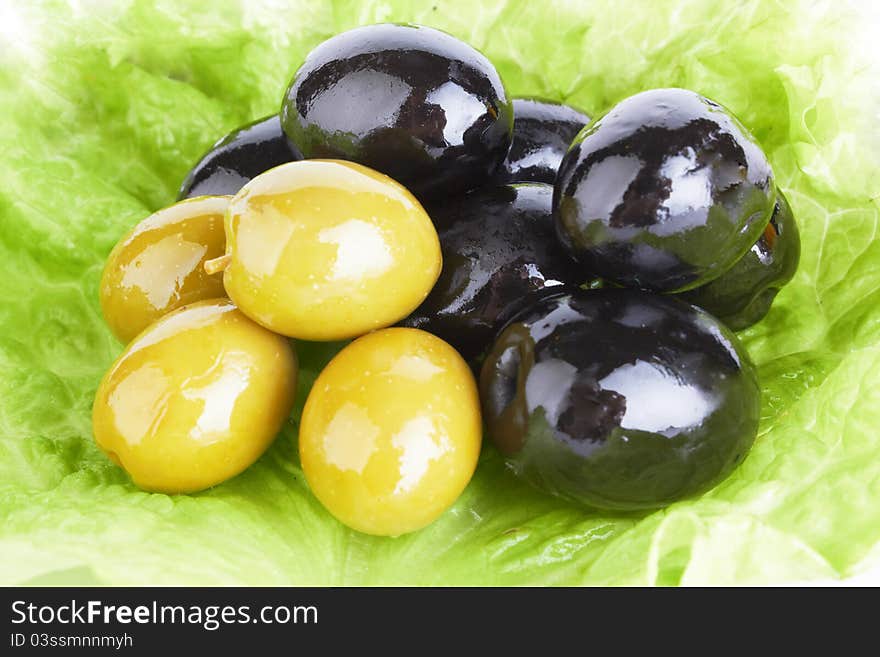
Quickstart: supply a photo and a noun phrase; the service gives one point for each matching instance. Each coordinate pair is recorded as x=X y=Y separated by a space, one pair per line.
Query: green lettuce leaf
x=106 y=105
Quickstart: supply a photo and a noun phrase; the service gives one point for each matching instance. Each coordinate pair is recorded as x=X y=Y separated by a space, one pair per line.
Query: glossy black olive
x=542 y=132
x=619 y=398
x=665 y=192
x=412 y=102
x=499 y=251
x=241 y=155
x=743 y=294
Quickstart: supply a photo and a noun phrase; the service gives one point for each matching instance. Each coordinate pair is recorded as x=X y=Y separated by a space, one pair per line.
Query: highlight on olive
x=542 y=132
x=742 y=295
x=159 y=265
x=664 y=192
x=195 y=399
x=620 y=399
x=410 y=101
x=391 y=431
x=327 y=250
x=243 y=154
x=500 y=253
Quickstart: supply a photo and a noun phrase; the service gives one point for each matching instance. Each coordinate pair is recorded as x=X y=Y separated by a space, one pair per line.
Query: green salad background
x=104 y=108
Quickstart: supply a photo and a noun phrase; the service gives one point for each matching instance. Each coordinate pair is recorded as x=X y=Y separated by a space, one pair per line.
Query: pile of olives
x=590 y=272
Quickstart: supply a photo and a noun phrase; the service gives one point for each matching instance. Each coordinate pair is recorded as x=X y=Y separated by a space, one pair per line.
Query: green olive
x=195 y=399
x=391 y=431
x=327 y=250
x=159 y=265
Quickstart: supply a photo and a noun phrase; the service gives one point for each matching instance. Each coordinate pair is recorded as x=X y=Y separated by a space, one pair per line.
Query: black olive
x=542 y=132
x=412 y=102
x=241 y=155
x=499 y=250
x=619 y=399
x=743 y=294
x=665 y=192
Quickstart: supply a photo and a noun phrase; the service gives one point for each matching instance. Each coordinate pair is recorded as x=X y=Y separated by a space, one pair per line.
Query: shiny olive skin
x=619 y=399
x=241 y=155
x=195 y=399
x=499 y=252
x=391 y=431
x=665 y=192
x=158 y=266
x=542 y=132
x=412 y=102
x=742 y=296
x=328 y=250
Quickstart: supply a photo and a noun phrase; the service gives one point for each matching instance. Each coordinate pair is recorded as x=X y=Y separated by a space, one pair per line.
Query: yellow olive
x=195 y=399
x=327 y=250
x=391 y=431
x=159 y=265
